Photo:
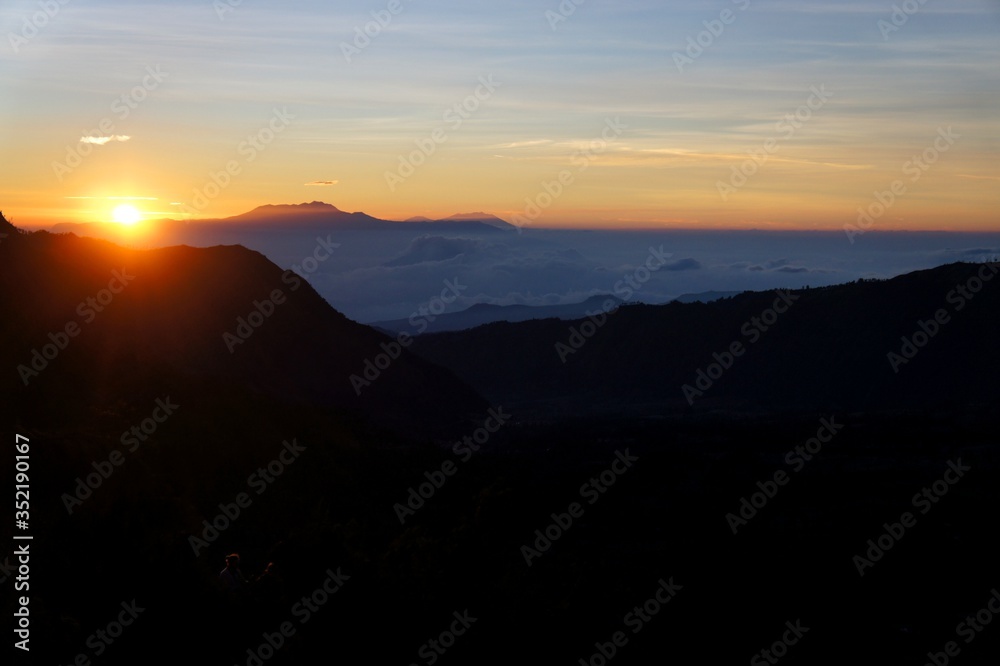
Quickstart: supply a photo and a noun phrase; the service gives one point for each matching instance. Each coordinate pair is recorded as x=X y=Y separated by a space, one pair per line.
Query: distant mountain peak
x=312 y=212
x=484 y=218
x=320 y=211
x=478 y=217
x=269 y=210
x=472 y=216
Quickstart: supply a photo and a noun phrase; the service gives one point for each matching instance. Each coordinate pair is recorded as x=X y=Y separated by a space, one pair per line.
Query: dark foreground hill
x=923 y=340
x=159 y=388
x=89 y=324
x=700 y=536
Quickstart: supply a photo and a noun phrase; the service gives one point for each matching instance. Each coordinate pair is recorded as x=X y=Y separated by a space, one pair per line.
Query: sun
x=126 y=214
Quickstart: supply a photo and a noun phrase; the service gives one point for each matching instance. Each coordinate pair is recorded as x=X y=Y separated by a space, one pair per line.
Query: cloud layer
x=102 y=140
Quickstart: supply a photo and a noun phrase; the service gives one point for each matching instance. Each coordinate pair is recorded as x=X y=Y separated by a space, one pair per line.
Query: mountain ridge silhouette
x=831 y=349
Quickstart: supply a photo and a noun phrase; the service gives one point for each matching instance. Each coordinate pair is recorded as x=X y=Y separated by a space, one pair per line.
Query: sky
x=749 y=114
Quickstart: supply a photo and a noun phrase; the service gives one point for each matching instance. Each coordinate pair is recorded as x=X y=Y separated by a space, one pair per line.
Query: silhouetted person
x=231 y=577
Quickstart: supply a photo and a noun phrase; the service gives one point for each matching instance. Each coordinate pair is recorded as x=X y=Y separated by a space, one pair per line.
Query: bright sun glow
x=126 y=214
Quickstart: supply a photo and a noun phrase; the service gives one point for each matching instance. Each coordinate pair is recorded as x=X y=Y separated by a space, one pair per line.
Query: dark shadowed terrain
x=752 y=497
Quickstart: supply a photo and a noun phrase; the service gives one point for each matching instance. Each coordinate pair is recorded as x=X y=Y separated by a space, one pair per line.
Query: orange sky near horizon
x=618 y=189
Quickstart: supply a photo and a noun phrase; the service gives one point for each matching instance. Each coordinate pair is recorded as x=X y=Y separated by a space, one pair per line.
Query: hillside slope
x=187 y=318
x=807 y=349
